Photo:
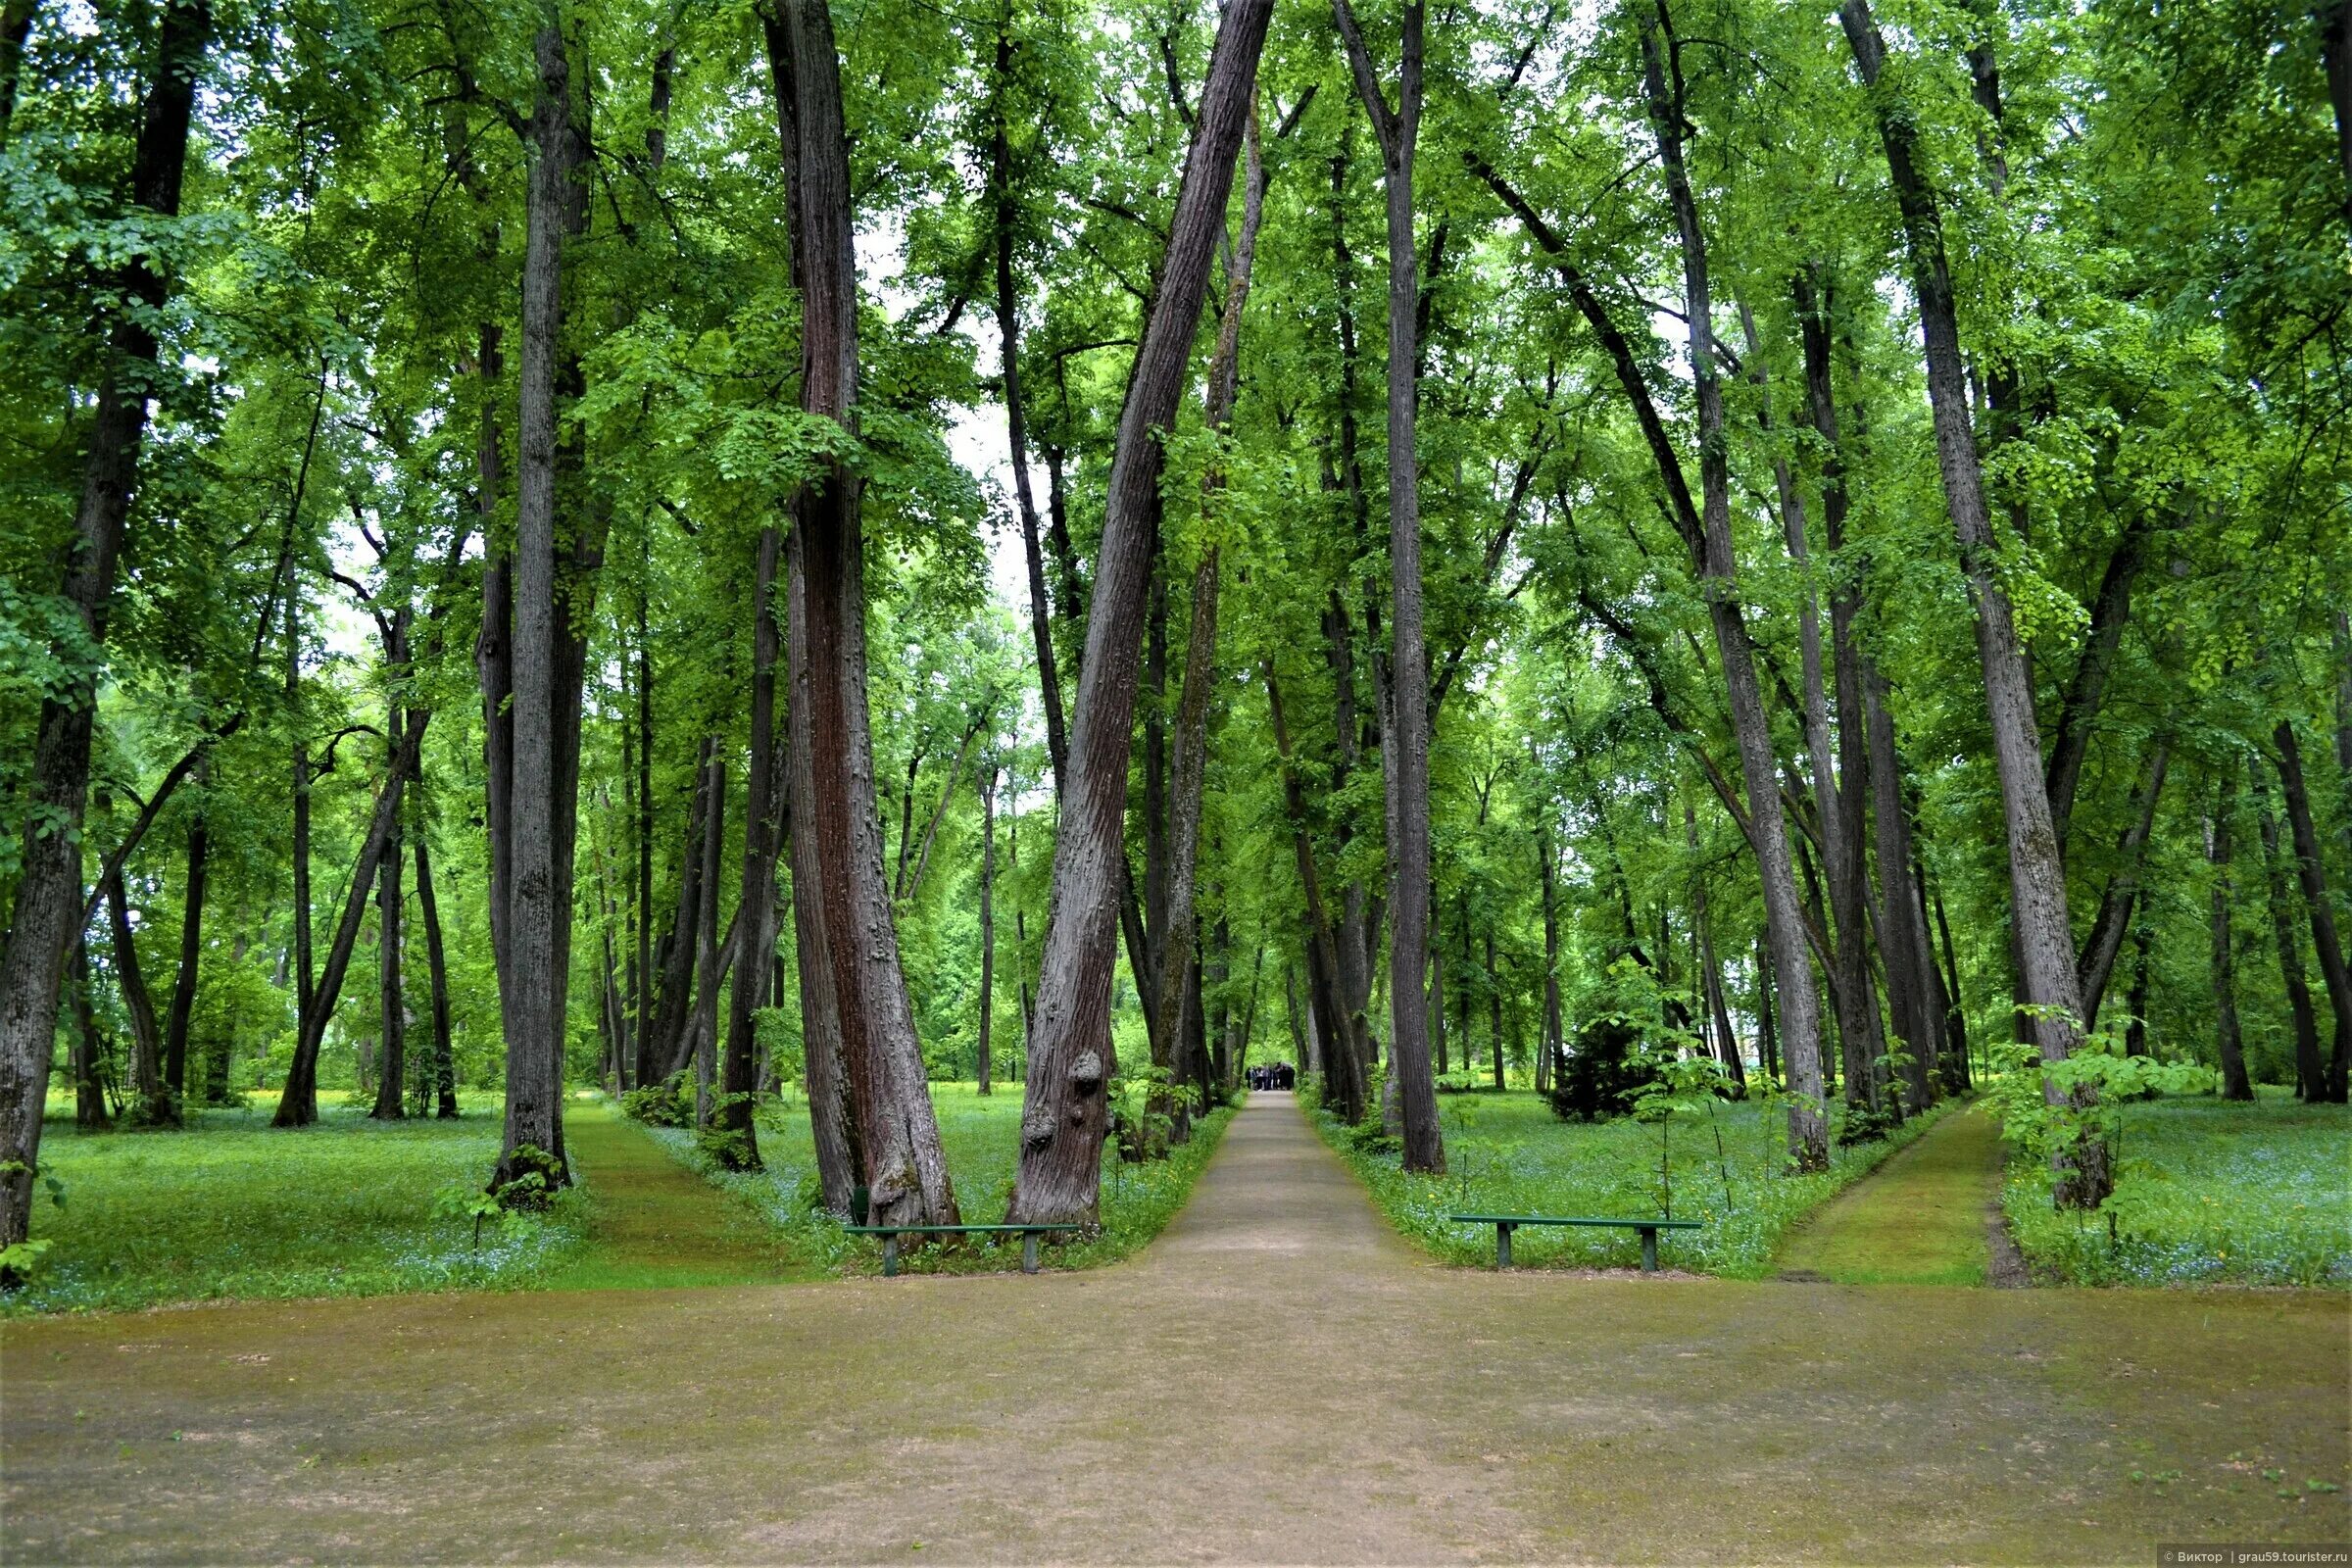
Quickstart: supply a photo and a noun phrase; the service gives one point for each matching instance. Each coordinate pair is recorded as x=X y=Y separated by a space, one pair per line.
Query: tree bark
x=739 y=1075
x=1405 y=734
x=2311 y=1070
x=146 y=1038
x=2321 y=912
x=90 y=1055
x=542 y=811
x=839 y=858
x=1065 y=1109
x=984 y=1065
x=191 y=956
x=1911 y=984
x=48 y=895
x=706 y=963
x=445 y=1078
x=1708 y=534
x=390 y=1090
x=2086 y=690
x=2037 y=880
x=2235 y=1083
x=1340 y=1055
x=2121 y=894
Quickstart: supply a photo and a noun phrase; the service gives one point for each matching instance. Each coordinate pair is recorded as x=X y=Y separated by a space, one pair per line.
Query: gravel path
x=1276 y=1380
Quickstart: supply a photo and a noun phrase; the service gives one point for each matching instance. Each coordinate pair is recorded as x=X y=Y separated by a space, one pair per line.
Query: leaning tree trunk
x=1065 y=1108
x=841 y=868
x=49 y=896
x=2036 y=879
x=2320 y=908
x=154 y=1099
x=539 y=811
x=1406 y=735
x=89 y=1084
x=1711 y=543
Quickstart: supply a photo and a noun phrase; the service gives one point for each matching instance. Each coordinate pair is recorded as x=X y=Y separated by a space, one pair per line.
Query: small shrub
x=668 y=1103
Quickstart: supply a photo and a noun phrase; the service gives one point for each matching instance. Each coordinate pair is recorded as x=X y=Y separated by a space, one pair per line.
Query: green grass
x=232 y=1208
x=1507 y=1153
x=982 y=1141
x=2206 y=1190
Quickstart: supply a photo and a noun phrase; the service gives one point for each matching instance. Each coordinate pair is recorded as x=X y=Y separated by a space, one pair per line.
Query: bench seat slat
x=1555 y=1219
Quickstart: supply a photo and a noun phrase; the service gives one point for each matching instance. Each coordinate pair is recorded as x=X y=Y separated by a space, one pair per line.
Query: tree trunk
x=641 y=963
x=1065 y=1109
x=2116 y=905
x=391 y=1090
x=2037 y=880
x=89 y=1058
x=1710 y=542
x=2086 y=691
x=2235 y=1083
x=739 y=1078
x=1903 y=942
x=2311 y=1071
x=155 y=1099
x=2321 y=911
x=1338 y=1051
x=1188 y=785
x=305 y=969
x=839 y=858
x=706 y=963
x=191 y=956
x=445 y=1078
x=48 y=894
x=984 y=1066
x=1405 y=734
x=541 y=810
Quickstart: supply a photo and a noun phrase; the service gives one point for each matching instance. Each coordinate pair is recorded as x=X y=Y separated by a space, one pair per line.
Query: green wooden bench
x=1504 y=1224
x=890 y=1234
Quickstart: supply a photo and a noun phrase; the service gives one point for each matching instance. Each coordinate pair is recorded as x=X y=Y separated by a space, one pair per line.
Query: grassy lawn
x=982 y=1139
x=232 y=1207
x=1507 y=1153
x=2254 y=1194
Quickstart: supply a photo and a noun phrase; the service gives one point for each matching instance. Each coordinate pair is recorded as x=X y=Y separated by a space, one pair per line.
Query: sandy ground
x=1276 y=1380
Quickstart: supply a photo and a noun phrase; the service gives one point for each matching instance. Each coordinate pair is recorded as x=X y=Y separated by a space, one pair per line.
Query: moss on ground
x=1919 y=1219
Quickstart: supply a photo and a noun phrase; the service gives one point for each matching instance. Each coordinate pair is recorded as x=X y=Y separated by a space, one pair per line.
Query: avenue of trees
x=1840 y=510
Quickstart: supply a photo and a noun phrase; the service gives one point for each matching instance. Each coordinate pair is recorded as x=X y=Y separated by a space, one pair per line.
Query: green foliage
x=668 y=1103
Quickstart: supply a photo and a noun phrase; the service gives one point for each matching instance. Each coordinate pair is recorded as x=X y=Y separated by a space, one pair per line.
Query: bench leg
x=890 y=1256
x=1502 y=1246
x=1649 y=1250
x=1029 y=1253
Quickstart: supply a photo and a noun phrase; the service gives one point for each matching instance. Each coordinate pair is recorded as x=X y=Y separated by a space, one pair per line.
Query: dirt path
x=1918 y=1219
x=1276 y=1381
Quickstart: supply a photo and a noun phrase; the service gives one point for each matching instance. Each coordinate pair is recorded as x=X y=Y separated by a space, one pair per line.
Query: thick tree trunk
x=534 y=971
x=1947 y=981
x=2235 y=1083
x=49 y=896
x=2037 y=880
x=2311 y=1070
x=2321 y=912
x=2086 y=691
x=1903 y=942
x=1404 y=736
x=662 y=1050
x=905 y=1170
x=1767 y=1038
x=1065 y=1109
x=1708 y=534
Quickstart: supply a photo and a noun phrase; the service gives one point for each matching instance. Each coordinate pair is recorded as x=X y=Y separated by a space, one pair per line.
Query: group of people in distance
x=1273 y=1075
